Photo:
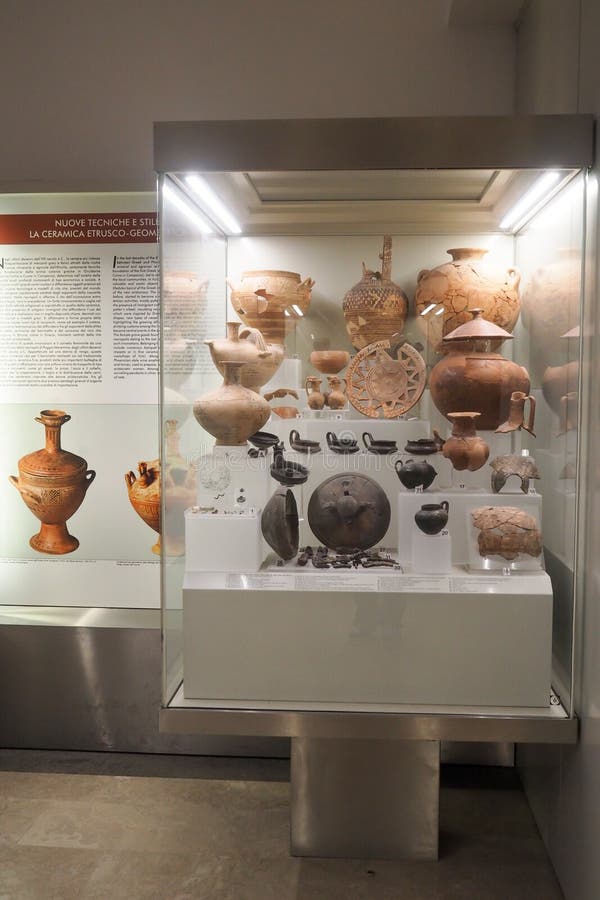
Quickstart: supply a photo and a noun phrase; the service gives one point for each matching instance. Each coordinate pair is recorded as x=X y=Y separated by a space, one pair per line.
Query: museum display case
x=372 y=405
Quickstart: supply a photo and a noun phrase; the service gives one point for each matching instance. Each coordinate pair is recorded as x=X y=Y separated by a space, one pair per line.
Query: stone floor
x=77 y=826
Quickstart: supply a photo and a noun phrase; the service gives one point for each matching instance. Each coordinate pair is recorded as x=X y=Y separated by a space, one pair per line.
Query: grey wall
x=548 y=57
x=563 y=784
x=83 y=81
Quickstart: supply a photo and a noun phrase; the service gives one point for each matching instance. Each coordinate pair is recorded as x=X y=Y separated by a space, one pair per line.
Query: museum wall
x=563 y=783
x=88 y=80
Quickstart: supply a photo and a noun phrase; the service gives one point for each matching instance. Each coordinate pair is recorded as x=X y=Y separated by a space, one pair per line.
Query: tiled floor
x=77 y=826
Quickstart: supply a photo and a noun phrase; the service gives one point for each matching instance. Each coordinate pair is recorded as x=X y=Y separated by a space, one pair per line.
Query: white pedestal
x=228 y=473
x=431 y=553
x=459 y=526
x=360 y=641
x=217 y=542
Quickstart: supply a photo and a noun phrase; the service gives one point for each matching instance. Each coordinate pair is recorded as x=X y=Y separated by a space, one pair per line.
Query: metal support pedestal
x=365 y=799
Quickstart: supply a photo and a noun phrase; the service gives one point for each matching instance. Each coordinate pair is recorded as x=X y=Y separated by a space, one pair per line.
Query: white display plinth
x=336 y=636
x=227 y=474
x=460 y=504
x=221 y=542
x=431 y=553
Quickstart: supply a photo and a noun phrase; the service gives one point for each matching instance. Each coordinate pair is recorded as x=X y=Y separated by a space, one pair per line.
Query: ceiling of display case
x=369 y=202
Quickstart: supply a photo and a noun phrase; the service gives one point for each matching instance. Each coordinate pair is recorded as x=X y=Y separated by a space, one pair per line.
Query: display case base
x=365 y=799
x=351 y=637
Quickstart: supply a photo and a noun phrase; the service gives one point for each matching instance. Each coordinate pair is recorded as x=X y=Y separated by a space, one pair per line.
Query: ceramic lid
x=279 y=523
x=478 y=329
x=349 y=511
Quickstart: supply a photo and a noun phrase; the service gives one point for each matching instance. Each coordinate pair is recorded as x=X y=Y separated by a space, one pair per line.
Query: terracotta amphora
x=464 y=448
x=474 y=375
x=144 y=495
x=184 y=296
x=336 y=396
x=179 y=483
x=466 y=283
x=231 y=413
x=569 y=412
x=558 y=381
x=551 y=302
x=268 y=299
x=53 y=484
x=247 y=345
x=375 y=308
x=314 y=397
x=516 y=415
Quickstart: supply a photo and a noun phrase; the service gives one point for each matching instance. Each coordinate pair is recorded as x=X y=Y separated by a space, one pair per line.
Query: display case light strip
x=439 y=311
x=428 y=309
x=297 y=310
x=530 y=199
x=204 y=191
x=186 y=209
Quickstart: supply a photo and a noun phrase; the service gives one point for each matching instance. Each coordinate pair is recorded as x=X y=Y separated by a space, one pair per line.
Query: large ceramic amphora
x=375 y=308
x=473 y=375
x=265 y=299
x=231 y=413
x=179 y=482
x=551 y=302
x=53 y=484
x=144 y=495
x=247 y=345
x=184 y=297
x=466 y=283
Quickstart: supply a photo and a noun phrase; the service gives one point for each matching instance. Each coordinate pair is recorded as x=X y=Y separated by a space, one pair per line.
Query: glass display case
x=371 y=418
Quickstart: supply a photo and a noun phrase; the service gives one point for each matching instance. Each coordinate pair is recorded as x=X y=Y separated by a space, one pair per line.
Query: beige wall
x=87 y=79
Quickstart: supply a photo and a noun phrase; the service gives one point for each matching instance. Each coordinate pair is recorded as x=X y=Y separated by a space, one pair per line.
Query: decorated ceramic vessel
x=375 y=308
x=247 y=345
x=473 y=375
x=231 y=413
x=466 y=283
x=53 y=483
x=262 y=298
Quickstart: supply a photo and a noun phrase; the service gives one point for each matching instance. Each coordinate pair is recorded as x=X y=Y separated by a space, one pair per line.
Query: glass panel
x=193 y=268
x=335 y=536
x=549 y=253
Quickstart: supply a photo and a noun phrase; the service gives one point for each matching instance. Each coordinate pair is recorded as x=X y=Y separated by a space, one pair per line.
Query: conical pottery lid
x=279 y=523
x=349 y=511
x=478 y=329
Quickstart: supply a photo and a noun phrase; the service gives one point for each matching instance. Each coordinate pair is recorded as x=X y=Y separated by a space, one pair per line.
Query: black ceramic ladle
x=380 y=447
x=303 y=446
x=285 y=472
x=341 y=445
x=263 y=439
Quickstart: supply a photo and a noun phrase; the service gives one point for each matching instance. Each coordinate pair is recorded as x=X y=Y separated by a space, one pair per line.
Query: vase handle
x=25 y=492
x=399 y=462
x=89 y=477
x=445 y=505
x=531 y=420
x=366 y=442
x=515 y=277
